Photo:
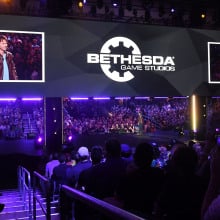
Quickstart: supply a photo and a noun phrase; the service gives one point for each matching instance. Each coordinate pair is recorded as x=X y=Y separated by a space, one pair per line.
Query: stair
x=15 y=208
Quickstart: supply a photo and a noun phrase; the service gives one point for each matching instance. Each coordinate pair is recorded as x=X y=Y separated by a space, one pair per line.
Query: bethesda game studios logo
x=119 y=56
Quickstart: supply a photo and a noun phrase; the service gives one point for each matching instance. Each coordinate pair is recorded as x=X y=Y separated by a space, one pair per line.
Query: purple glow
x=32 y=99
x=164 y=97
x=70 y=138
x=115 y=4
x=79 y=98
x=142 y=97
x=101 y=98
x=122 y=97
x=180 y=97
x=7 y=99
x=172 y=10
x=84 y=1
x=217 y=129
x=39 y=139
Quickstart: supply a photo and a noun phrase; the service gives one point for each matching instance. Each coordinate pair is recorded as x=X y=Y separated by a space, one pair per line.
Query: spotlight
x=172 y=10
x=115 y=3
x=203 y=15
x=39 y=139
x=80 y=4
x=70 y=138
x=39 y=142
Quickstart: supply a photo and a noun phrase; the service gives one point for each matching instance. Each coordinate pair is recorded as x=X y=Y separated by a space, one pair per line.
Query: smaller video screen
x=22 y=56
x=214 y=62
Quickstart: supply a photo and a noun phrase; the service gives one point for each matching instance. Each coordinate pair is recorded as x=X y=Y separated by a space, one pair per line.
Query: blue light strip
x=7 y=99
x=79 y=98
x=141 y=97
x=101 y=98
x=122 y=97
x=32 y=99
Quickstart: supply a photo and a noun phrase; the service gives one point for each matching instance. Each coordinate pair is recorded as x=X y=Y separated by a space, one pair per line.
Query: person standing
x=7 y=65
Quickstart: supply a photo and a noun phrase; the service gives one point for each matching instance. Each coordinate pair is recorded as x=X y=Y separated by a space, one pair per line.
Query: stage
x=29 y=147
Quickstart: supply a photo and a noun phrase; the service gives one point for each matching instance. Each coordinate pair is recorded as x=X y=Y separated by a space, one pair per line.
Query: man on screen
x=7 y=65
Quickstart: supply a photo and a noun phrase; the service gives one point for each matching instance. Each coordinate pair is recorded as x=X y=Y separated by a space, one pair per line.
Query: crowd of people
x=13 y=115
x=124 y=116
x=132 y=178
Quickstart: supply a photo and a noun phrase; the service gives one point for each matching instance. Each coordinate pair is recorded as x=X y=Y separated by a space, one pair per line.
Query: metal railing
x=24 y=186
x=39 y=179
x=106 y=209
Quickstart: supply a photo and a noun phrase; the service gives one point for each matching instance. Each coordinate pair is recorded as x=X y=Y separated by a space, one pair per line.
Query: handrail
x=45 y=181
x=103 y=207
x=24 y=186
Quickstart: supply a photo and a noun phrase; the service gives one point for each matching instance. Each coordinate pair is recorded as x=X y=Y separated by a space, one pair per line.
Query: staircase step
x=55 y=216
x=23 y=213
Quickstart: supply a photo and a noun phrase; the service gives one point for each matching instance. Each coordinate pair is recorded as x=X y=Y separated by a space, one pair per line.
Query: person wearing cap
x=83 y=163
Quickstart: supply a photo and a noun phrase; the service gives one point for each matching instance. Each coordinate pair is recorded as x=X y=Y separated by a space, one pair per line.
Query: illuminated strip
x=7 y=99
x=163 y=97
x=141 y=97
x=101 y=98
x=79 y=98
x=122 y=97
x=194 y=116
x=31 y=99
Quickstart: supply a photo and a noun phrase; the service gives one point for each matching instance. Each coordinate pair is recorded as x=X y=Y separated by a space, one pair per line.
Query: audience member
x=83 y=163
x=105 y=177
x=85 y=176
x=51 y=164
x=182 y=192
x=59 y=176
x=211 y=203
x=126 y=153
x=139 y=189
x=81 y=211
x=2 y=206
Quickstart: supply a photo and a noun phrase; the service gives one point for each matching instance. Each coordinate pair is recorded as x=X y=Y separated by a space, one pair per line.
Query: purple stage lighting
x=39 y=139
x=31 y=99
x=70 y=138
x=122 y=97
x=141 y=97
x=7 y=99
x=172 y=10
x=101 y=98
x=79 y=98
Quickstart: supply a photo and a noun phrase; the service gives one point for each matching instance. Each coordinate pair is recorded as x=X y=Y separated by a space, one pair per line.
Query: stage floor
x=28 y=147
x=21 y=146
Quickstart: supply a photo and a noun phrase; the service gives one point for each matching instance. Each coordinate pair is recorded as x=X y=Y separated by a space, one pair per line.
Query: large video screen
x=93 y=58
